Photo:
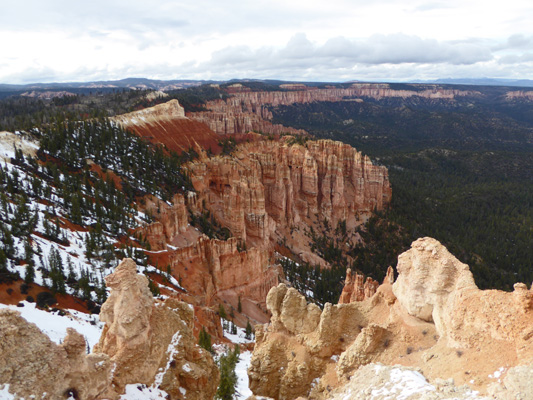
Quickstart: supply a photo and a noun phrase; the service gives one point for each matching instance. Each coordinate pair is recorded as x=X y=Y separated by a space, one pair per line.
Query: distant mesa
x=167 y=124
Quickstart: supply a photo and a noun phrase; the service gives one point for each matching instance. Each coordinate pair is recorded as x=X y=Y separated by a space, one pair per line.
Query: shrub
x=24 y=288
x=45 y=299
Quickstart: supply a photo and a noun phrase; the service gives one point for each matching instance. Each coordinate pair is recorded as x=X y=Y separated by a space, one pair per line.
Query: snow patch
x=55 y=326
x=4 y=393
x=241 y=369
x=142 y=392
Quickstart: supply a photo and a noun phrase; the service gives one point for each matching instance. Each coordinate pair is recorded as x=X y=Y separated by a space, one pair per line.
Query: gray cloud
x=342 y=52
x=220 y=40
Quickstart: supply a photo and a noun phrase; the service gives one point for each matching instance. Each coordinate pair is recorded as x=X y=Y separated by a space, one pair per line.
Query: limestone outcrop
x=269 y=185
x=246 y=110
x=167 y=124
x=143 y=342
x=32 y=365
x=299 y=343
x=433 y=318
x=211 y=267
x=356 y=288
x=152 y=343
x=434 y=286
x=430 y=280
x=515 y=385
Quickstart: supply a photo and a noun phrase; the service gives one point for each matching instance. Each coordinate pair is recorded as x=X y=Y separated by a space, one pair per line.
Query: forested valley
x=461 y=172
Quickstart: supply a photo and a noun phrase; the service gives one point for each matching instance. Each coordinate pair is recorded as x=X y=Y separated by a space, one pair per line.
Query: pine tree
x=228 y=377
x=204 y=340
x=239 y=305
x=30 y=264
x=56 y=271
x=222 y=311
x=249 y=332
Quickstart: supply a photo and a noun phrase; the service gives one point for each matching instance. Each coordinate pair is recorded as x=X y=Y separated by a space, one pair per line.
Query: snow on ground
x=4 y=393
x=239 y=337
x=241 y=369
x=142 y=392
x=498 y=373
x=55 y=326
x=403 y=384
x=380 y=382
x=9 y=140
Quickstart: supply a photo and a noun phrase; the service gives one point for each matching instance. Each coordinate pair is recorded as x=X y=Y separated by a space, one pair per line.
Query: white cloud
x=311 y=39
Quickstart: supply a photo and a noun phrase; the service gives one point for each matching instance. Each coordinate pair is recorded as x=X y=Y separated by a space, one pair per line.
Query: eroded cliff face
x=143 y=342
x=152 y=343
x=247 y=110
x=271 y=185
x=167 y=124
x=212 y=267
x=519 y=95
x=33 y=365
x=263 y=192
x=433 y=318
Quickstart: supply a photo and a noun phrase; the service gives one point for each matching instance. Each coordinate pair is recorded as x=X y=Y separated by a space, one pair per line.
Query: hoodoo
x=433 y=318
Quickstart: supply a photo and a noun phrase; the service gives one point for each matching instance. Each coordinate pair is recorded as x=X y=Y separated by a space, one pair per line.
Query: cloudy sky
x=326 y=40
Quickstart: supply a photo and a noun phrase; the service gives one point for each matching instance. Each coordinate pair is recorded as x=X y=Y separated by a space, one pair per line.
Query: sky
x=326 y=40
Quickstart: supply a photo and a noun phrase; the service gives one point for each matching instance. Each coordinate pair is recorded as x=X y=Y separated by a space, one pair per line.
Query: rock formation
x=32 y=365
x=152 y=343
x=430 y=280
x=433 y=317
x=211 y=267
x=515 y=385
x=296 y=347
x=143 y=342
x=519 y=95
x=268 y=185
x=383 y=382
x=167 y=124
x=356 y=288
x=247 y=110
x=436 y=287
x=172 y=221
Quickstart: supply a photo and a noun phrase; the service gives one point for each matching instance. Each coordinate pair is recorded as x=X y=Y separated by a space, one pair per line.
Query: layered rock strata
x=212 y=266
x=152 y=343
x=248 y=111
x=172 y=221
x=143 y=342
x=433 y=317
x=167 y=124
x=268 y=184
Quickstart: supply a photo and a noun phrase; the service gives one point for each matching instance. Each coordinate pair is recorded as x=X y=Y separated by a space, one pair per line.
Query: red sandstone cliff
x=269 y=185
x=167 y=124
x=265 y=191
x=248 y=111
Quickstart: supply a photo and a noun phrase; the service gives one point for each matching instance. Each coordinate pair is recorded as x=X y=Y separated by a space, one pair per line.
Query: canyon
x=433 y=317
x=248 y=110
x=220 y=245
x=264 y=193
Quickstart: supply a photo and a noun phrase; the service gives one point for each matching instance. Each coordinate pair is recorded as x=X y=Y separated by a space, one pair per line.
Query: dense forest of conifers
x=461 y=173
x=59 y=186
